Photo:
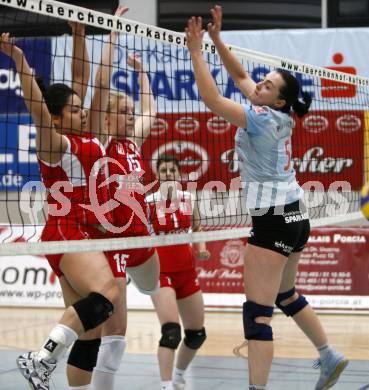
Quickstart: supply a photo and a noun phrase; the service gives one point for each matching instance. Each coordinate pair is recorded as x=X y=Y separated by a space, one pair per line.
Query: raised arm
x=102 y=83
x=146 y=119
x=80 y=60
x=234 y=67
x=226 y=108
x=49 y=144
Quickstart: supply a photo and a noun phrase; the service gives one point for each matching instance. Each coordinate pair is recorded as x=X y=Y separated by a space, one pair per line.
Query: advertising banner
x=333 y=274
x=204 y=144
x=333 y=270
x=38 y=54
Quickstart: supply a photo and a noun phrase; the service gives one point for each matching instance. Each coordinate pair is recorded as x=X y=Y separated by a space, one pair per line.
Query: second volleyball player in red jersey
x=173 y=211
x=126 y=133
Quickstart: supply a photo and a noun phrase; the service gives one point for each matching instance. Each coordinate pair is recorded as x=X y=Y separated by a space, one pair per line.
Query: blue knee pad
x=292 y=308
x=254 y=330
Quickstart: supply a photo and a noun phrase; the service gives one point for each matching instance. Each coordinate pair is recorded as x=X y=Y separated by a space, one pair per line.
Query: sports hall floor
x=215 y=367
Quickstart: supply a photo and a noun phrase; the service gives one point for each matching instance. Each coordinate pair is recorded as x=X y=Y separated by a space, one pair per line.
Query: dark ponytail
x=56 y=96
x=290 y=93
x=302 y=108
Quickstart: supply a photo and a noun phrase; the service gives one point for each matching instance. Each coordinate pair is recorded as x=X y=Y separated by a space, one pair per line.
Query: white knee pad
x=146 y=292
x=149 y=292
x=110 y=353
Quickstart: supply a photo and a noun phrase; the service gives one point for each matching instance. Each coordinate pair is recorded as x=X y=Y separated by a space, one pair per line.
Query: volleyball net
x=328 y=144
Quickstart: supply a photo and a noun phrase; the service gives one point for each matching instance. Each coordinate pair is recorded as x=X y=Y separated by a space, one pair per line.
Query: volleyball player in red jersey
x=90 y=290
x=170 y=211
x=122 y=135
x=125 y=134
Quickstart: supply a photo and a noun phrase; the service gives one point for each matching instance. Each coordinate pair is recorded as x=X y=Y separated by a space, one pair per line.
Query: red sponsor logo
x=218 y=125
x=159 y=128
x=315 y=123
x=193 y=158
x=336 y=89
x=232 y=253
x=187 y=125
x=260 y=109
x=348 y=123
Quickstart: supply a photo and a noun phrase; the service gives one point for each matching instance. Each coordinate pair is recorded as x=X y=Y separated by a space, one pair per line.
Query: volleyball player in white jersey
x=280 y=220
x=63 y=148
x=180 y=296
x=122 y=135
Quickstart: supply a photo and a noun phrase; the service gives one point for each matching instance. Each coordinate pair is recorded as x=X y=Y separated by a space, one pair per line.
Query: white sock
x=85 y=387
x=166 y=385
x=178 y=375
x=324 y=351
x=60 y=338
x=108 y=361
x=255 y=387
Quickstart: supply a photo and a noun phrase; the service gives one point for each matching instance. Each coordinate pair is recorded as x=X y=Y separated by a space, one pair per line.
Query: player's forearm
x=80 y=63
x=147 y=101
x=104 y=73
x=205 y=83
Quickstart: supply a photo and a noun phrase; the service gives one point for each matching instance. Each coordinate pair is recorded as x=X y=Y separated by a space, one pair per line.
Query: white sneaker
x=330 y=370
x=36 y=372
x=179 y=385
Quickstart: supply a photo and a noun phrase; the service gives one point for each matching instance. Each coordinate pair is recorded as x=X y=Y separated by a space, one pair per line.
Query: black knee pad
x=171 y=335
x=84 y=353
x=194 y=338
x=255 y=330
x=292 y=308
x=93 y=310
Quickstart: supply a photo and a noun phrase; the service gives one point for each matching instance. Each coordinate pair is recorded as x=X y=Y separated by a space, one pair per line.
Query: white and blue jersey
x=264 y=157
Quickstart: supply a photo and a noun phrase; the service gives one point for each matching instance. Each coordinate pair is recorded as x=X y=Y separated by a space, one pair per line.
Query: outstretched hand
x=194 y=34
x=134 y=61
x=121 y=10
x=7 y=45
x=215 y=27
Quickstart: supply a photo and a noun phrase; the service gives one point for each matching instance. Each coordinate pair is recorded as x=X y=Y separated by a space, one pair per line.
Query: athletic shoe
x=179 y=385
x=36 y=372
x=330 y=370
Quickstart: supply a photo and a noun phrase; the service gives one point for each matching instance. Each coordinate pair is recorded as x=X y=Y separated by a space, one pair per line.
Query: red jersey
x=172 y=216
x=126 y=163
x=73 y=183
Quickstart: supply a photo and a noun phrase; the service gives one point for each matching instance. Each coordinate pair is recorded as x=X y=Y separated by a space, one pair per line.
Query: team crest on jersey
x=260 y=110
x=120 y=149
x=232 y=253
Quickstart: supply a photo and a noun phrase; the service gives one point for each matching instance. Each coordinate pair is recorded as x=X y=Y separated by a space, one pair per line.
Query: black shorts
x=282 y=229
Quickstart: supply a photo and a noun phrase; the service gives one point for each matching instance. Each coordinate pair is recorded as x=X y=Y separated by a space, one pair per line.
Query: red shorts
x=130 y=257
x=121 y=259
x=63 y=229
x=184 y=283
